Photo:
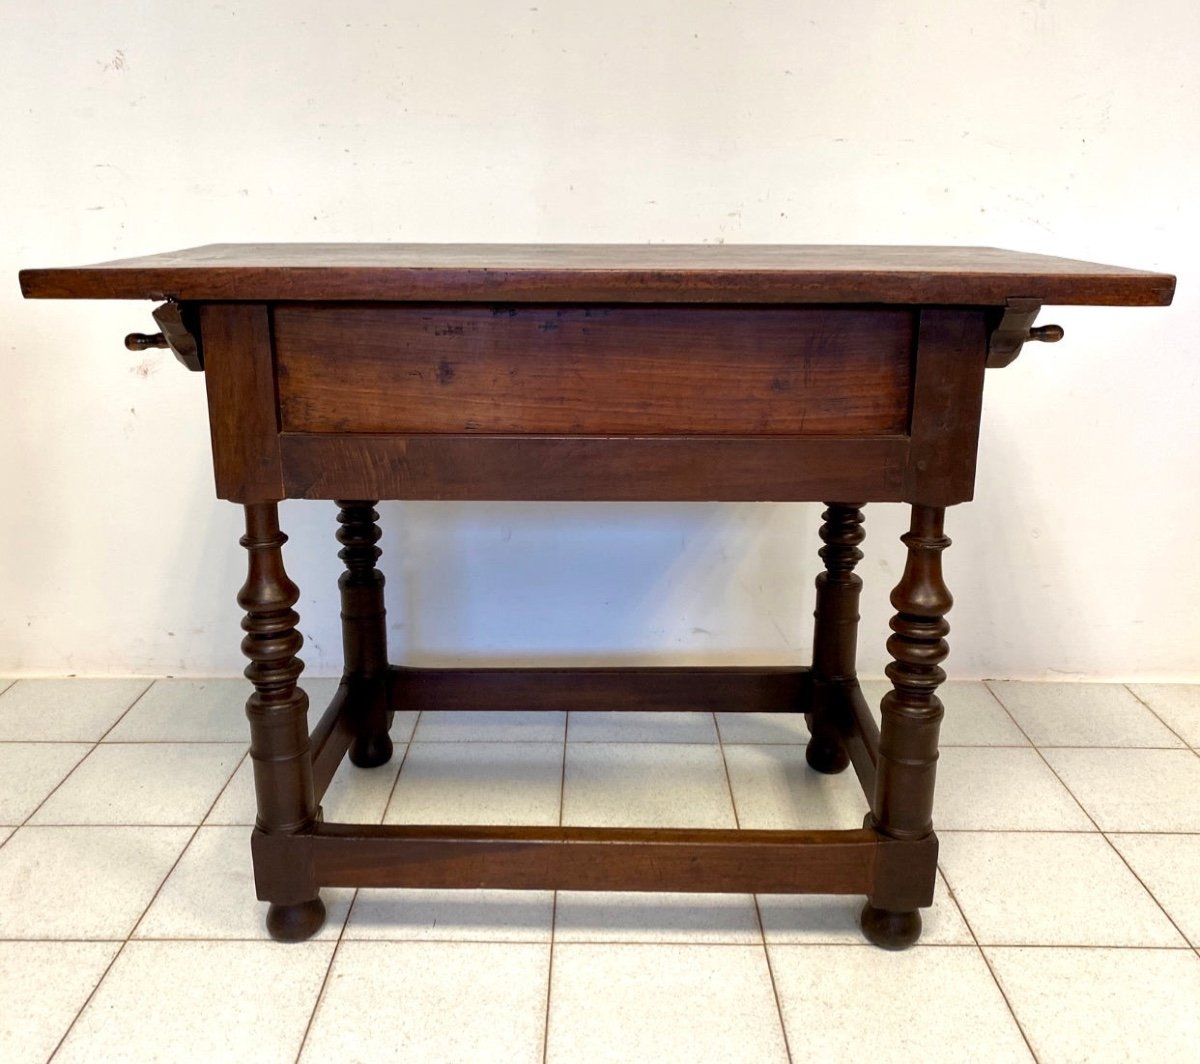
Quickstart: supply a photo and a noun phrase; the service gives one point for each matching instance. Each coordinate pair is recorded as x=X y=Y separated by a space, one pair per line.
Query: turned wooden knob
x=1047 y=334
x=144 y=341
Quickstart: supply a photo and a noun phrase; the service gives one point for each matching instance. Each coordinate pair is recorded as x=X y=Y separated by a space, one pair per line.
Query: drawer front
x=622 y=370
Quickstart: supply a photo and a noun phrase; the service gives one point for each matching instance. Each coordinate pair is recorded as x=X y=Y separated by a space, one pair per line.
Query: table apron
x=551 y=468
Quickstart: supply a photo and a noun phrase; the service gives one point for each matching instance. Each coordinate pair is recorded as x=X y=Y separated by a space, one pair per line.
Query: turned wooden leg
x=835 y=636
x=278 y=713
x=364 y=633
x=911 y=717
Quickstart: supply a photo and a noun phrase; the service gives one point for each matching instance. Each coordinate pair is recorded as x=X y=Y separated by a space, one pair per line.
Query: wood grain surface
x=623 y=273
x=594 y=370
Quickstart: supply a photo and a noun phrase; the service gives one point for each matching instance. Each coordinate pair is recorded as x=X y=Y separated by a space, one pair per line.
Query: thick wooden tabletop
x=620 y=273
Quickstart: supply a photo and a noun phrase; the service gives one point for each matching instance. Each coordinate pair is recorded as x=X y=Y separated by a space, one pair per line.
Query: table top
x=621 y=273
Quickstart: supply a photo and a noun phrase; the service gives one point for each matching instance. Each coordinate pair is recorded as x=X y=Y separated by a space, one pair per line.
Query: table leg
x=364 y=633
x=835 y=636
x=278 y=714
x=911 y=717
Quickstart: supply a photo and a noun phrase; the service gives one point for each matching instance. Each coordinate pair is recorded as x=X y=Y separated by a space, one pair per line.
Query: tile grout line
x=562 y=791
x=312 y=1016
x=87 y=1001
x=325 y=980
x=203 y=823
x=396 y=782
x=762 y=934
x=1044 y=760
x=1153 y=713
x=154 y=897
x=128 y=710
x=987 y=961
x=75 y=768
x=590 y=742
x=1133 y=872
x=1100 y=830
x=531 y=941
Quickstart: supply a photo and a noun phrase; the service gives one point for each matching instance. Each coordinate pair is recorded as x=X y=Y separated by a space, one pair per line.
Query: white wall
x=1061 y=126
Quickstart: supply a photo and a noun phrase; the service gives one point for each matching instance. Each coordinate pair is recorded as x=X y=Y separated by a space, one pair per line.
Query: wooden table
x=366 y=372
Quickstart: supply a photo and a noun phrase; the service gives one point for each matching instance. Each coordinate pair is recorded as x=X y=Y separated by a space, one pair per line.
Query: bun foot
x=371 y=751
x=827 y=756
x=295 y=923
x=889 y=930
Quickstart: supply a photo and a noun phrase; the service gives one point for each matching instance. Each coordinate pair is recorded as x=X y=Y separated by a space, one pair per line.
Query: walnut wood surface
x=902 y=806
x=592 y=468
x=602 y=370
x=580 y=858
x=240 y=378
x=742 y=401
x=946 y=406
x=364 y=631
x=835 y=635
x=634 y=273
x=330 y=739
x=708 y=689
x=278 y=708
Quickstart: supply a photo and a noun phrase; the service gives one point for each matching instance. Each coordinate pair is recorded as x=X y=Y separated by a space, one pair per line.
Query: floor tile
x=200 y=1001
x=30 y=771
x=355 y=795
x=143 y=783
x=82 y=882
x=973 y=716
x=596 y=916
x=833 y=920
x=762 y=728
x=453 y=726
x=855 y=1003
x=478 y=783
x=646 y=785
x=452 y=915
x=998 y=789
x=662 y=1003
x=638 y=727
x=74 y=710
x=1133 y=790
x=1081 y=714
x=1176 y=704
x=210 y=894
x=1059 y=889
x=236 y=803
x=213 y=710
x=1169 y=866
x=43 y=986
x=320 y=691
x=206 y=711
x=1092 y=1006
x=773 y=787
x=432 y=1002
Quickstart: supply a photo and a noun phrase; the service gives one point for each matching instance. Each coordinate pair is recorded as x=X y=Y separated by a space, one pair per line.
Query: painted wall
x=1061 y=126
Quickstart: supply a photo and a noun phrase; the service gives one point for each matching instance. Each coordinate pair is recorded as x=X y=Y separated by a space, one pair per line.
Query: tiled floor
x=1065 y=928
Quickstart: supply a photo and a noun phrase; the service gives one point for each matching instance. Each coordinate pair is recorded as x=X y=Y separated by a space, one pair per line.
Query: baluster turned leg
x=911 y=714
x=835 y=636
x=278 y=713
x=364 y=633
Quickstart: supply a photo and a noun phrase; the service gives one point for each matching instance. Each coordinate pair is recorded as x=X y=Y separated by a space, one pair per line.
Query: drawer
x=594 y=370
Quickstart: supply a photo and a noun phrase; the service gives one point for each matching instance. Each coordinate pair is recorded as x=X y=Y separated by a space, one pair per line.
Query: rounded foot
x=826 y=756
x=371 y=751
x=295 y=923
x=890 y=930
